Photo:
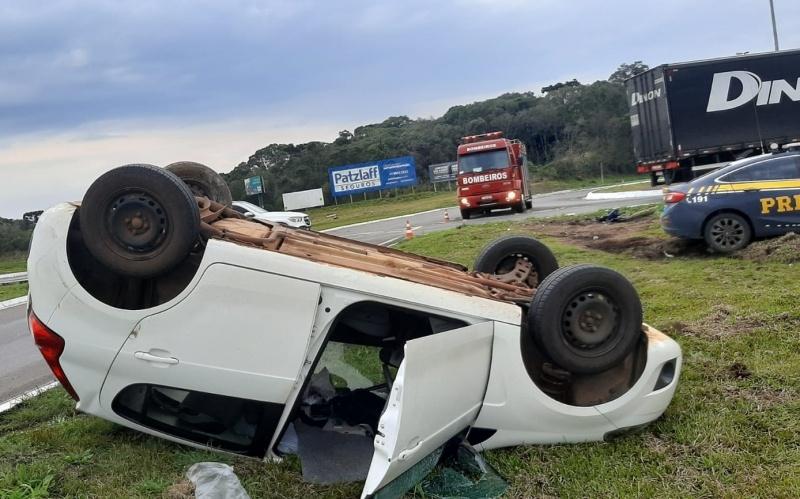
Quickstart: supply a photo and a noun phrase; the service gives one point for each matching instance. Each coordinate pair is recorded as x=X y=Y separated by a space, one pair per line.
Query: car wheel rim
x=590 y=320
x=727 y=233
x=136 y=221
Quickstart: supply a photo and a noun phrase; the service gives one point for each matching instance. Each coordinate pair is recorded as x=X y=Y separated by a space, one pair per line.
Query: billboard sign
x=372 y=176
x=303 y=199
x=443 y=172
x=253 y=186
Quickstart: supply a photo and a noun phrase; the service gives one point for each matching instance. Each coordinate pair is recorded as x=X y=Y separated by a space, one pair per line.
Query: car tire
x=586 y=318
x=139 y=220
x=727 y=232
x=203 y=181
x=466 y=214
x=500 y=257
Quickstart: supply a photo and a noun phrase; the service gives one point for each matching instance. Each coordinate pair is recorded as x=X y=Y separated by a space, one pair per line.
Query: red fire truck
x=492 y=174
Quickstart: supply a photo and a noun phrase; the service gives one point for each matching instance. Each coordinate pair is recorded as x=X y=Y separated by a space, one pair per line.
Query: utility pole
x=774 y=26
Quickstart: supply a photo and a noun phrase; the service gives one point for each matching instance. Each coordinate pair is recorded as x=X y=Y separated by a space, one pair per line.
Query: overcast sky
x=89 y=85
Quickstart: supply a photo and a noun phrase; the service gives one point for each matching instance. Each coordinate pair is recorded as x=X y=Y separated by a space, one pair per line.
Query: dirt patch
x=181 y=490
x=784 y=249
x=723 y=321
x=760 y=397
x=623 y=237
x=630 y=238
x=739 y=371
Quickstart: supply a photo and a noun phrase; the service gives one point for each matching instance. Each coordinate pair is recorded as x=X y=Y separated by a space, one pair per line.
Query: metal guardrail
x=13 y=278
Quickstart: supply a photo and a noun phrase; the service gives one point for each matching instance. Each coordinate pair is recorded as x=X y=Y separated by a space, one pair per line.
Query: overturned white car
x=161 y=309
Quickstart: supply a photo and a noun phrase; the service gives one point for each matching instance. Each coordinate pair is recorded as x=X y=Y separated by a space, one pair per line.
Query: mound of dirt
x=784 y=249
x=623 y=237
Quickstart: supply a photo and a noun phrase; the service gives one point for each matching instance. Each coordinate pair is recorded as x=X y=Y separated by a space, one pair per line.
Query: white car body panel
x=437 y=393
x=197 y=332
x=520 y=417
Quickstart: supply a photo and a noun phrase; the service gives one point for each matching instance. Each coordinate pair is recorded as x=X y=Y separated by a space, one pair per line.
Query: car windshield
x=482 y=161
x=251 y=207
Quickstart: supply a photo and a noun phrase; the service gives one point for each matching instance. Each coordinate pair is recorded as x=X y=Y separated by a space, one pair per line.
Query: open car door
x=437 y=394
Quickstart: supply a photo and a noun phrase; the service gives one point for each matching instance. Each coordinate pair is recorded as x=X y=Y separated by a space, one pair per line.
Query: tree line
x=569 y=129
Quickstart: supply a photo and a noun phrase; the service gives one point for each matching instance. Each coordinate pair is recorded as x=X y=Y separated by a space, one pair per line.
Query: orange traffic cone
x=409 y=230
x=446 y=216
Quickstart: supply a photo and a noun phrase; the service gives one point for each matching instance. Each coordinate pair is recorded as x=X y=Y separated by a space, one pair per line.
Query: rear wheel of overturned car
x=517 y=259
x=139 y=220
x=203 y=181
x=586 y=318
x=727 y=232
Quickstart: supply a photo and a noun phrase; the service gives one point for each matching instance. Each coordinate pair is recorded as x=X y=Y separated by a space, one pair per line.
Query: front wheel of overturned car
x=586 y=318
x=517 y=259
x=203 y=181
x=727 y=232
x=139 y=220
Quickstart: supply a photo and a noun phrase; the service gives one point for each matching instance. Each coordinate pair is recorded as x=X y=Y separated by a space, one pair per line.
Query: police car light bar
x=484 y=136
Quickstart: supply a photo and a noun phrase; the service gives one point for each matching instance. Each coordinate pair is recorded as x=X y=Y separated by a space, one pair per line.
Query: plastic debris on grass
x=215 y=481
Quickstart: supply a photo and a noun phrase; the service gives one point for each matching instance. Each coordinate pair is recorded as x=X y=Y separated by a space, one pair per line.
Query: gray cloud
x=68 y=67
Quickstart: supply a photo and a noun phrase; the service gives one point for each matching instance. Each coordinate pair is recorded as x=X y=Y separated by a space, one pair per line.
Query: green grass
x=9 y=291
x=722 y=436
x=13 y=263
x=361 y=210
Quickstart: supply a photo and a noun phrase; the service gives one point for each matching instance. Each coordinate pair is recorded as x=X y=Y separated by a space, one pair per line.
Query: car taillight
x=671 y=197
x=51 y=346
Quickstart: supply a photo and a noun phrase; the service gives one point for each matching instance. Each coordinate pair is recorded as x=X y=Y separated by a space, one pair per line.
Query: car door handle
x=155 y=358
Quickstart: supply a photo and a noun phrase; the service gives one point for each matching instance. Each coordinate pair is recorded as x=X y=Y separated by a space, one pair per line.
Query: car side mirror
x=249 y=214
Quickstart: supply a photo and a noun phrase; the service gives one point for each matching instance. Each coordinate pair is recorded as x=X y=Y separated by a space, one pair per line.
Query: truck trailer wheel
x=203 y=181
x=139 y=220
x=727 y=232
x=586 y=318
x=517 y=259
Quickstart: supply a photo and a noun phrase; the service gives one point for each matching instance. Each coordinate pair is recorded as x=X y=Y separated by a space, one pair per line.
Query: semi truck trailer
x=690 y=117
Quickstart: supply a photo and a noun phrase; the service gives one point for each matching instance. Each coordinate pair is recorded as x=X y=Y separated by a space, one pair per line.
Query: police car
x=749 y=198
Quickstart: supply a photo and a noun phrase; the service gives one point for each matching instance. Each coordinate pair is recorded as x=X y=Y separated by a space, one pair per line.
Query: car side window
x=230 y=423
x=775 y=169
x=239 y=209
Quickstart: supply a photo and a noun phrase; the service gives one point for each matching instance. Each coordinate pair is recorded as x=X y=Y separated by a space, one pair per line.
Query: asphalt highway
x=386 y=232
x=22 y=367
